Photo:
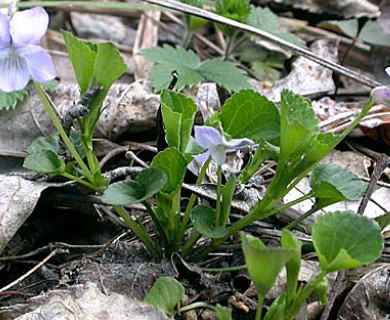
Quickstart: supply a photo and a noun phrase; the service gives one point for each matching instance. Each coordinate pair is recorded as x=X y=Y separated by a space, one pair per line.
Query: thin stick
x=380 y=166
x=175 y=5
x=31 y=271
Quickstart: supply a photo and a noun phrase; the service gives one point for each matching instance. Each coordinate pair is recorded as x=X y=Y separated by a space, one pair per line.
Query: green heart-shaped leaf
x=145 y=185
x=345 y=240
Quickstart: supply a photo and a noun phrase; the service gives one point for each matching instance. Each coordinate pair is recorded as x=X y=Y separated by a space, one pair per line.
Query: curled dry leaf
x=369 y=298
x=18 y=198
x=336 y=116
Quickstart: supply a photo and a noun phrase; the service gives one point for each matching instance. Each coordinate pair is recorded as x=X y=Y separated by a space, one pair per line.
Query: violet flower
x=382 y=94
x=215 y=144
x=20 y=56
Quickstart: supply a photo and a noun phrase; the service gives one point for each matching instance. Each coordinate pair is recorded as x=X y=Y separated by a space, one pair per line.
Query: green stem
x=228 y=269
x=138 y=230
x=81 y=181
x=187 y=38
x=290 y=204
x=49 y=109
x=190 y=242
x=219 y=200
x=195 y=305
x=294 y=223
x=259 y=311
x=229 y=44
x=192 y=200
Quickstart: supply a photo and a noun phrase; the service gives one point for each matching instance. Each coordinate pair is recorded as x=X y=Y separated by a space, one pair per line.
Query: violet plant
x=290 y=136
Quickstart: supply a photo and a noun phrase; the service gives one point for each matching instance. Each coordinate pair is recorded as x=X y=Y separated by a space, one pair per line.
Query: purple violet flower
x=215 y=144
x=382 y=94
x=20 y=56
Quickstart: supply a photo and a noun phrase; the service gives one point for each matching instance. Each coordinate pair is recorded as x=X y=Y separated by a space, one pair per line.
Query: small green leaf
x=383 y=220
x=9 y=100
x=265 y=19
x=263 y=264
x=223 y=313
x=203 y=218
x=294 y=264
x=145 y=185
x=225 y=74
x=165 y=294
x=349 y=27
x=247 y=114
x=344 y=240
x=178 y=113
x=174 y=165
x=373 y=33
x=192 y=22
x=44 y=143
x=331 y=184
x=45 y=161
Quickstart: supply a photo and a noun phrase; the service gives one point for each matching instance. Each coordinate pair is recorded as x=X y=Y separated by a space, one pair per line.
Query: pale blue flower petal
x=28 y=26
x=202 y=158
x=207 y=137
x=13 y=70
x=387 y=70
x=382 y=95
x=239 y=143
x=218 y=154
x=39 y=63
x=5 y=36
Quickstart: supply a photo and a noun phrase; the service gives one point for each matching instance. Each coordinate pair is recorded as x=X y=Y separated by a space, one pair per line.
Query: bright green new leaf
x=94 y=64
x=223 y=313
x=82 y=55
x=174 y=165
x=44 y=143
x=331 y=184
x=145 y=185
x=45 y=161
x=236 y=10
x=247 y=114
x=322 y=291
x=109 y=65
x=263 y=264
x=298 y=128
x=345 y=240
x=178 y=113
x=165 y=294
x=294 y=264
x=225 y=74
x=203 y=219
x=9 y=100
